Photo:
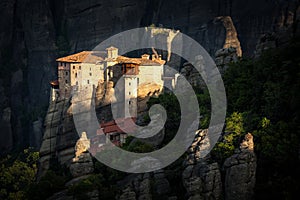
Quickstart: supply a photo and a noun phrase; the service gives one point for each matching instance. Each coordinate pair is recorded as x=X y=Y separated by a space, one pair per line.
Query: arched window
x=73 y=67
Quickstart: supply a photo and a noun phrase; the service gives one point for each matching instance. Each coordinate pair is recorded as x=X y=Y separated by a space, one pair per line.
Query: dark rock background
x=35 y=32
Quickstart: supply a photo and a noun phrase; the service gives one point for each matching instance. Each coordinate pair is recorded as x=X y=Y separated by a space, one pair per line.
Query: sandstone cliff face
x=35 y=32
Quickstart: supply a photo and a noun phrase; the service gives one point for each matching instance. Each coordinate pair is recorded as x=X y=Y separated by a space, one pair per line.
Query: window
x=66 y=81
x=76 y=82
x=75 y=75
x=65 y=64
x=129 y=83
x=73 y=67
x=90 y=69
x=129 y=93
x=88 y=81
x=129 y=102
x=67 y=73
x=79 y=67
x=90 y=74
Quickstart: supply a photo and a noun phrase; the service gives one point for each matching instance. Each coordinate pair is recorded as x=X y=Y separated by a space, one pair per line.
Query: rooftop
x=112 y=127
x=111 y=48
x=96 y=56
x=84 y=56
x=139 y=61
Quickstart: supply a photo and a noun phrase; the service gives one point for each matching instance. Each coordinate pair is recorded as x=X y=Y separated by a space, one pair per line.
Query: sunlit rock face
x=82 y=163
x=231 y=40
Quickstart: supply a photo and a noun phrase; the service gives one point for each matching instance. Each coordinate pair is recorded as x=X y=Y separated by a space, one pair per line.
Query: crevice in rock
x=89 y=8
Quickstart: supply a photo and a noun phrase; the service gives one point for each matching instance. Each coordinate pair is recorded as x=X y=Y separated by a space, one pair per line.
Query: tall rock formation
x=232 y=40
x=35 y=32
x=240 y=171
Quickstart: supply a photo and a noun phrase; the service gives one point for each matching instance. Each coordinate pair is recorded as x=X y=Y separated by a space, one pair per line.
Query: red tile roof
x=139 y=61
x=84 y=56
x=112 y=127
x=96 y=56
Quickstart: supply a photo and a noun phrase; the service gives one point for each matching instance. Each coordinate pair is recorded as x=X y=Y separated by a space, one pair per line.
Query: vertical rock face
x=203 y=181
x=35 y=32
x=240 y=171
x=224 y=57
x=59 y=137
x=145 y=187
x=231 y=40
x=201 y=177
x=6 y=137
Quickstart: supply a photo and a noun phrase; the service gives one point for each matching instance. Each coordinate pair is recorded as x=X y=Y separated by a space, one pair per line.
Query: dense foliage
x=17 y=172
x=265 y=93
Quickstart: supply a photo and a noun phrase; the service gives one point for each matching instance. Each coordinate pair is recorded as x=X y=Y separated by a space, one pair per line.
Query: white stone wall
x=78 y=76
x=86 y=74
x=151 y=74
x=130 y=93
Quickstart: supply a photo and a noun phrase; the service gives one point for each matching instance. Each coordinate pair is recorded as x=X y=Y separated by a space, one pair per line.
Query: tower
x=112 y=52
x=130 y=95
